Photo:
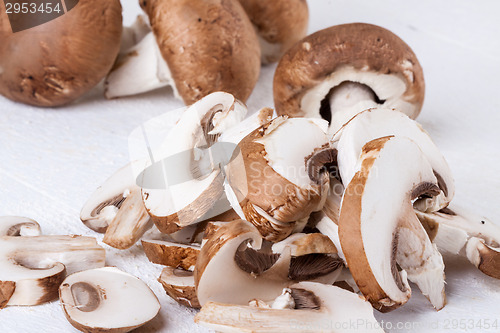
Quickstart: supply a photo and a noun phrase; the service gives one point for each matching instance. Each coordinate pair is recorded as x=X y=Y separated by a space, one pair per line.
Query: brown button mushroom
x=57 y=62
x=342 y=70
x=279 y=24
x=207 y=46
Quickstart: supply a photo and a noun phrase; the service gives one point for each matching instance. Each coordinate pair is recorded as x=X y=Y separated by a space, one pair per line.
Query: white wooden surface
x=52 y=159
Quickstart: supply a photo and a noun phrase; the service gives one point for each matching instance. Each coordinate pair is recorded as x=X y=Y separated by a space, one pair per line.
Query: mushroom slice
x=279 y=25
x=232 y=250
x=107 y=300
x=103 y=205
x=130 y=222
x=32 y=267
x=179 y=284
x=171 y=254
x=379 y=229
x=133 y=34
x=57 y=64
x=18 y=226
x=457 y=231
x=342 y=70
x=379 y=122
x=185 y=180
x=315 y=305
x=277 y=177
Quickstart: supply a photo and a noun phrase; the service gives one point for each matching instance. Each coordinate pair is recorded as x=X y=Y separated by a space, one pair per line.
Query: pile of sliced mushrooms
x=319 y=211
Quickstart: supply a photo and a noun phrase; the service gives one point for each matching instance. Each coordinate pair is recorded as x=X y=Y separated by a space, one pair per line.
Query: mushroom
x=279 y=25
x=457 y=231
x=379 y=122
x=254 y=269
x=342 y=70
x=316 y=307
x=51 y=65
x=107 y=300
x=18 y=226
x=133 y=34
x=171 y=254
x=32 y=267
x=379 y=229
x=116 y=209
x=278 y=177
x=179 y=284
x=183 y=180
x=201 y=47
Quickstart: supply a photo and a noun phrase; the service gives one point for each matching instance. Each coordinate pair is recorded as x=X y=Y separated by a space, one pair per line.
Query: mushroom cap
x=171 y=254
x=279 y=24
x=377 y=225
x=107 y=300
x=270 y=175
x=57 y=62
x=356 y=52
x=220 y=53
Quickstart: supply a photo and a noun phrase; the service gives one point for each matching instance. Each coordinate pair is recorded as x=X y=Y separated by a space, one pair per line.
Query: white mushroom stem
x=318 y=308
x=347 y=100
x=138 y=70
x=455 y=230
x=18 y=226
x=107 y=300
x=36 y=264
x=133 y=34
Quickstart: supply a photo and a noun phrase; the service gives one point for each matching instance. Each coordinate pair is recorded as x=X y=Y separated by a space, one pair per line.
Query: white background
x=52 y=159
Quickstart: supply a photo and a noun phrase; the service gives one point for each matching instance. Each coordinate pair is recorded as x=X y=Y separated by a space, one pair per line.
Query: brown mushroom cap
x=278 y=22
x=208 y=45
x=364 y=47
x=57 y=62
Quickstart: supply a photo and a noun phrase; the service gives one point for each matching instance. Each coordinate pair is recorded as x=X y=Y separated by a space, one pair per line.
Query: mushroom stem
x=138 y=70
x=457 y=231
x=347 y=100
x=133 y=34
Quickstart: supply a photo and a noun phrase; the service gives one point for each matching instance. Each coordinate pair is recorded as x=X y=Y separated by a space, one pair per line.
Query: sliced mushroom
x=257 y=270
x=18 y=226
x=457 y=231
x=52 y=65
x=379 y=122
x=171 y=254
x=277 y=177
x=184 y=180
x=279 y=25
x=378 y=227
x=203 y=47
x=32 y=267
x=342 y=70
x=107 y=300
x=317 y=307
x=179 y=284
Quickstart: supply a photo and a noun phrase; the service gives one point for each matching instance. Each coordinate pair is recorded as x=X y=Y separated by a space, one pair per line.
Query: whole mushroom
x=57 y=62
x=198 y=47
x=342 y=70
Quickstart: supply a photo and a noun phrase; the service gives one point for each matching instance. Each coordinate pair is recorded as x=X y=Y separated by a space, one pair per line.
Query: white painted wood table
x=52 y=159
